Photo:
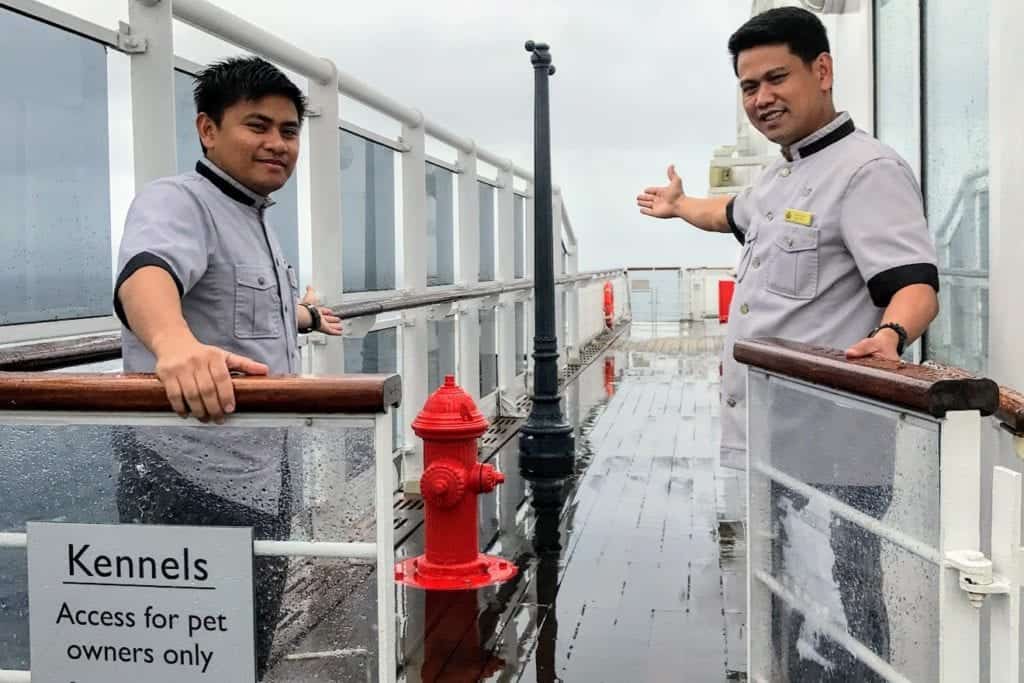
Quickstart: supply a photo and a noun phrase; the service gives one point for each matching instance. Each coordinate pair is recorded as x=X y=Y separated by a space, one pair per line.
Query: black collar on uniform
x=840 y=127
x=231 y=187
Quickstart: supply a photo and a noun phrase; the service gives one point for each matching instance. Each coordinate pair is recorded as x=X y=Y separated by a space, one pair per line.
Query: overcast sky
x=638 y=86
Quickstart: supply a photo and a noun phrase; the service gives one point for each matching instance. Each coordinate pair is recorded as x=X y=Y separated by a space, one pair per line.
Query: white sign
x=161 y=604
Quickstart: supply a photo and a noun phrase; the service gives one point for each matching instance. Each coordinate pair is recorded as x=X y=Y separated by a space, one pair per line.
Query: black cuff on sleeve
x=140 y=261
x=737 y=233
x=885 y=285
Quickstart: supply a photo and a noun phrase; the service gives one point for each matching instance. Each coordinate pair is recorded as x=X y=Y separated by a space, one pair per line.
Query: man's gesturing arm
x=195 y=376
x=671 y=202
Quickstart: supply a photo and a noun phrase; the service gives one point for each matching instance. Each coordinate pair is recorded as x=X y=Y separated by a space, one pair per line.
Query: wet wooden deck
x=638 y=576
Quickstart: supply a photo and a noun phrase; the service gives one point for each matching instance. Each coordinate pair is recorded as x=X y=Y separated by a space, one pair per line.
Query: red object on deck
x=725 y=290
x=609 y=304
x=609 y=375
x=450 y=425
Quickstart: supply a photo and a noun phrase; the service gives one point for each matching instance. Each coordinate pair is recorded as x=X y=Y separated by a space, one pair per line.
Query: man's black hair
x=237 y=79
x=800 y=30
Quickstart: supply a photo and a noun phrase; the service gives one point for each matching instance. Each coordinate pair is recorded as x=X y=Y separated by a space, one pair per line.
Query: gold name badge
x=799 y=217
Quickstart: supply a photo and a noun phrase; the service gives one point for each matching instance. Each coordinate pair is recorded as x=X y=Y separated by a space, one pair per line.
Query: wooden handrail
x=1011 y=402
x=924 y=388
x=350 y=394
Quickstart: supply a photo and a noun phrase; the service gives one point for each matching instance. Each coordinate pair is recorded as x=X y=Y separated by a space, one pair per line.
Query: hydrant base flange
x=487 y=570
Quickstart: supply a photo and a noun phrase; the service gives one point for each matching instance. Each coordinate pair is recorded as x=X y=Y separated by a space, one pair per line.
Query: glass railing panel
x=376 y=352
x=519 y=239
x=656 y=295
x=367 y=214
x=487 y=230
x=441 y=352
x=957 y=140
x=440 y=226
x=289 y=477
x=55 y=161
x=844 y=532
x=521 y=341
x=488 y=351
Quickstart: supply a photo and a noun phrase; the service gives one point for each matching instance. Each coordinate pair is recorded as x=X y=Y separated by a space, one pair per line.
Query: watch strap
x=315 y=318
x=900 y=331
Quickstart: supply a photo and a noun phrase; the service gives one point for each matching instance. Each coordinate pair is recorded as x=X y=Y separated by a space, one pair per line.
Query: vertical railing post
x=546 y=444
x=529 y=237
x=325 y=215
x=574 y=339
x=469 y=273
x=960 y=513
x=559 y=266
x=414 y=347
x=150 y=42
x=1006 y=563
x=506 y=320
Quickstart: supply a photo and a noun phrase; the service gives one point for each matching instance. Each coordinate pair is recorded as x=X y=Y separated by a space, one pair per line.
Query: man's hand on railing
x=197 y=377
x=329 y=323
x=882 y=345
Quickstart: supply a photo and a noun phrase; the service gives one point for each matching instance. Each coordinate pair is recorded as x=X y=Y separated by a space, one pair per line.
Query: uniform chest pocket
x=257 y=303
x=793 y=266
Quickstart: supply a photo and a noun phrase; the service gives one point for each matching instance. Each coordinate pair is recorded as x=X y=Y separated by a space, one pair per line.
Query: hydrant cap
x=449 y=413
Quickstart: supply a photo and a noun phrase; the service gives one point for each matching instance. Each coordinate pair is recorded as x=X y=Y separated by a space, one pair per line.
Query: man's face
x=256 y=143
x=785 y=98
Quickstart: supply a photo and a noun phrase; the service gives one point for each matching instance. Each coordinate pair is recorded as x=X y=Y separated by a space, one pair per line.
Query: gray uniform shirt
x=828 y=238
x=237 y=292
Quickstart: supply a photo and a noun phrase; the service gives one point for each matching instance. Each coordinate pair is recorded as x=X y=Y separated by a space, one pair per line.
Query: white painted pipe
x=449 y=138
x=841 y=636
x=352 y=551
x=12 y=540
x=358 y=551
x=850 y=514
x=216 y=21
x=493 y=159
x=358 y=90
x=7 y=676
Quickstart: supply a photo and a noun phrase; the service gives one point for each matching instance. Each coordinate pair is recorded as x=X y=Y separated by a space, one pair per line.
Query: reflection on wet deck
x=631 y=571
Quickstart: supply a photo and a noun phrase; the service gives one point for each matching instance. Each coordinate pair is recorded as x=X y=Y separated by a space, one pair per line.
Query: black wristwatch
x=314 y=316
x=898 y=329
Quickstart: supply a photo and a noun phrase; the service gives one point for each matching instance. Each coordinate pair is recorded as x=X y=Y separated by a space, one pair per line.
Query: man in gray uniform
x=203 y=290
x=836 y=249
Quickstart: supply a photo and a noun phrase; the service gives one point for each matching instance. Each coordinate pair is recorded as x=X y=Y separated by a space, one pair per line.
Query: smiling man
x=203 y=290
x=836 y=250
x=203 y=286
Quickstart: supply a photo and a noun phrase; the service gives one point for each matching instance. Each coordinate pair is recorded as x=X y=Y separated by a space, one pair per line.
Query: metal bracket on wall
x=128 y=42
x=976 y=577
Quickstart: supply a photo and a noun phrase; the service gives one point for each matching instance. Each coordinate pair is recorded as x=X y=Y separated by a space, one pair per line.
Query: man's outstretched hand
x=197 y=377
x=662 y=202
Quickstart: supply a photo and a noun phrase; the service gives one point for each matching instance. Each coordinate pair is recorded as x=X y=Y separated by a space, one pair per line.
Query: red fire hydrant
x=450 y=425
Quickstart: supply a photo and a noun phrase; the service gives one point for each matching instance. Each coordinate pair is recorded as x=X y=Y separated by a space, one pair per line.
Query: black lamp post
x=546 y=443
